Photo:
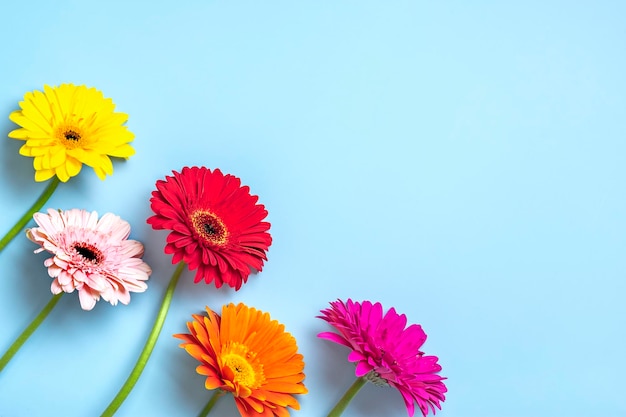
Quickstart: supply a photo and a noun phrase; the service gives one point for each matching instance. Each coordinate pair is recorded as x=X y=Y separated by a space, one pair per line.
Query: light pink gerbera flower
x=94 y=257
x=387 y=353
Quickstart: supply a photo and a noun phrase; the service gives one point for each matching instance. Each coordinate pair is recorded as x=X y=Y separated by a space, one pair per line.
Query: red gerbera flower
x=216 y=225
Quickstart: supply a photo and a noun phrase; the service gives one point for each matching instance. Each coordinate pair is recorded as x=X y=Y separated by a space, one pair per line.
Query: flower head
x=216 y=225
x=67 y=126
x=246 y=353
x=386 y=352
x=94 y=257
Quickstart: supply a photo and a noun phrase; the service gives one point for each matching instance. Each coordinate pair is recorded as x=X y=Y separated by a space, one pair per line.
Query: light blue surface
x=461 y=161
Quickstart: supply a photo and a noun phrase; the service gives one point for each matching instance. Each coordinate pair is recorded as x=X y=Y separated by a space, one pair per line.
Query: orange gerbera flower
x=246 y=353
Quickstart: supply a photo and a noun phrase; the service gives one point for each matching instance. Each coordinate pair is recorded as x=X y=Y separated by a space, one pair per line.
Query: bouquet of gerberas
x=217 y=229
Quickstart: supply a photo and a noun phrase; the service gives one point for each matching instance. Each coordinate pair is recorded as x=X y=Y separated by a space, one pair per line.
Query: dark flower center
x=89 y=252
x=210 y=227
x=72 y=135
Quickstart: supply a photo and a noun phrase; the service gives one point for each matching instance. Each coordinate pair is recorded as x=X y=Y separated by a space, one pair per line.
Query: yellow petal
x=57 y=156
x=43 y=174
x=61 y=172
x=73 y=166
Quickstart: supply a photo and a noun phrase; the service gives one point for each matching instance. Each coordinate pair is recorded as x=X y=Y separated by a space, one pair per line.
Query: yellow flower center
x=69 y=135
x=244 y=374
x=245 y=370
x=210 y=227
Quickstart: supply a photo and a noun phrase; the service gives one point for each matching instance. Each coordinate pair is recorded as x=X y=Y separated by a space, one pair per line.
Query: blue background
x=461 y=161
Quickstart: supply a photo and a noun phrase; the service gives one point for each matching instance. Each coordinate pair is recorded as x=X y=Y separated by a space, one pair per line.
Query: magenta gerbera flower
x=387 y=353
x=94 y=257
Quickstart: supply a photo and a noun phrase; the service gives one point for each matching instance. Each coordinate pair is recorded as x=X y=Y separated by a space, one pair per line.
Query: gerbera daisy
x=247 y=354
x=67 y=126
x=91 y=256
x=386 y=353
x=216 y=225
x=94 y=257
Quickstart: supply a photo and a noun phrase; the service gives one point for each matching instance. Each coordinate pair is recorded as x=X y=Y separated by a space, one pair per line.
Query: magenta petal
x=355 y=356
x=362 y=368
x=408 y=402
x=334 y=337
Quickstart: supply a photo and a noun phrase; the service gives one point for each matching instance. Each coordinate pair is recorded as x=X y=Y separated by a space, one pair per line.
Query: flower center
x=69 y=135
x=89 y=252
x=244 y=374
x=210 y=227
x=72 y=135
x=246 y=371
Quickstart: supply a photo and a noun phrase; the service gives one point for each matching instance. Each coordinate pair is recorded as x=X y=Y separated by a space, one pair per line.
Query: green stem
x=347 y=397
x=209 y=406
x=21 y=223
x=149 y=346
x=29 y=331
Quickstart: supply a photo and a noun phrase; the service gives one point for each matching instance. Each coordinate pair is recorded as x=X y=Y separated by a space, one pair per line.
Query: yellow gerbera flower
x=246 y=353
x=67 y=126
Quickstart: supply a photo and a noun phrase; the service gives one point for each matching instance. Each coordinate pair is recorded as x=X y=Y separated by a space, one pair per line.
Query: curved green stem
x=22 y=338
x=149 y=346
x=209 y=406
x=21 y=223
x=347 y=397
